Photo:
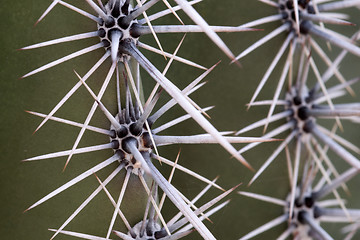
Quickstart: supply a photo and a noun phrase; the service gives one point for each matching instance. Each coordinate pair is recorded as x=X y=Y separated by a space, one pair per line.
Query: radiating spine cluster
x=303 y=110
x=120 y=25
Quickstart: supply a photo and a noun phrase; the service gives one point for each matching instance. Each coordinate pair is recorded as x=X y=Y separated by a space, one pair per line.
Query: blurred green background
x=229 y=88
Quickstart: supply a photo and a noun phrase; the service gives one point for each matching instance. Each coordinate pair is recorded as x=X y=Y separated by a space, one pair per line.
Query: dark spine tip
x=302 y=3
x=309 y=202
x=127 y=118
x=303 y=113
x=305 y=26
x=112 y=31
x=289 y=4
x=311 y=10
x=147 y=140
x=293 y=17
x=101 y=22
x=126 y=142
x=309 y=126
x=150 y=122
x=123 y=22
x=298 y=204
x=127 y=47
x=297 y=100
x=116 y=10
x=308 y=99
x=101 y=32
x=106 y=43
x=311 y=96
x=120 y=154
x=292 y=113
x=133 y=235
x=135 y=30
x=137 y=112
x=315 y=195
x=285 y=15
x=160 y=234
x=135 y=129
x=149 y=233
x=112 y=134
x=294 y=122
x=317 y=212
x=122 y=132
x=115 y=144
x=110 y=22
x=302 y=217
x=132 y=116
x=125 y=8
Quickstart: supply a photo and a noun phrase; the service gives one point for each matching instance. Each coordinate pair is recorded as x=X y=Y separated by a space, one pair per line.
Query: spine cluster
x=305 y=98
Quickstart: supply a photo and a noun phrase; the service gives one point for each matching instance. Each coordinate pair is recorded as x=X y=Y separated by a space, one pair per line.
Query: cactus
x=300 y=56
